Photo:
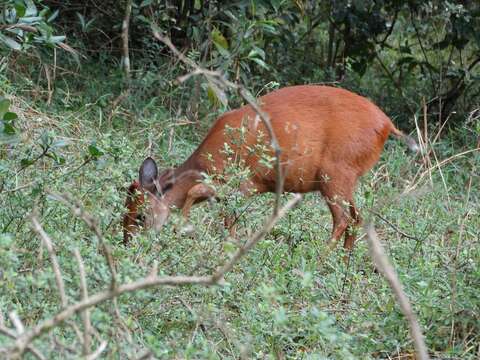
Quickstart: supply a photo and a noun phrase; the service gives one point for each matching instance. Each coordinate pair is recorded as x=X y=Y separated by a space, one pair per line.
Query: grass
x=285 y=299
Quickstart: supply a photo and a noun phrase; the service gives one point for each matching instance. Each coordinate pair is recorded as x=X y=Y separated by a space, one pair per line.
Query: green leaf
x=57 y=158
x=10 y=42
x=406 y=60
x=57 y=39
x=46 y=139
x=20 y=9
x=4 y=105
x=261 y=63
x=94 y=151
x=36 y=190
x=81 y=18
x=53 y=16
x=26 y=162
x=216 y=95
x=225 y=53
x=43 y=13
x=30 y=19
x=219 y=39
x=31 y=8
x=8 y=129
x=9 y=116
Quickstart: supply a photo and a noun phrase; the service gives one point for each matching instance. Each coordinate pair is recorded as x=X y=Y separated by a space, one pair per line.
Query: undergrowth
x=285 y=299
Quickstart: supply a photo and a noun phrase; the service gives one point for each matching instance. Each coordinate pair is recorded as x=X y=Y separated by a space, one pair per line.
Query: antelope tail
x=408 y=140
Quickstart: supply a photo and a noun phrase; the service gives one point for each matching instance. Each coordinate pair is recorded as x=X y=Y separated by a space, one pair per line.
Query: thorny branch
x=25 y=338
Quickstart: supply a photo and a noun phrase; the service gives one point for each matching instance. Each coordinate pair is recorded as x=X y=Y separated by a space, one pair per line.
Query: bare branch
x=17 y=323
x=19 y=26
x=152 y=280
x=255 y=238
x=84 y=293
x=31 y=348
x=402 y=233
x=97 y=352
x=92 y=224
x=382 y=263
x=217 y=79
x=53 y=259
x=125 y=27
x=27 y=337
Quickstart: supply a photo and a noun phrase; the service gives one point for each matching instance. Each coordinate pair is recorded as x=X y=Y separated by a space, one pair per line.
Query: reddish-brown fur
x=329 y=138
x=135 y=200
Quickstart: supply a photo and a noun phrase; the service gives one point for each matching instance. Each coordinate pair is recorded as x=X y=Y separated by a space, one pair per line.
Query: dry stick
x=84 y=294
x=382 y=263
x=92 y=224
x=37 y=227
x=393 y=226
x=30 y=348
x=17 y=323
x=255 y=238
x=152 y=280
x=455 y=263
x=97 y=352
x=89 y=220
x=440 y=164
x=125 y=27
x=217 y=79
x=53 y=259
x=21 y=187
x=27 y=337
x=145 y=354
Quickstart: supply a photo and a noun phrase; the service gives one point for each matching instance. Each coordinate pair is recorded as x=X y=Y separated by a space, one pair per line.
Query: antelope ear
x=147 y=174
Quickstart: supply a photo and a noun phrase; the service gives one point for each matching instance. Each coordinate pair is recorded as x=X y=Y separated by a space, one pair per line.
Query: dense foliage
x=72 y=122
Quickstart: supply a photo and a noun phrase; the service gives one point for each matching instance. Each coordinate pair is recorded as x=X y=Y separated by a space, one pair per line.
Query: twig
x=21 y=187
x=84 y=295
x=152 y=280
x=17 y=323
x=53 y=259
x=97 y=352
x=440 y=164
x=31 y=348
x=218 y=80
x=92 y=224
x=393 y=226
x=255 y=238
x=125 y=27
x=19 y=26
x=145 y=354
x=382 y=263
x=27 y=337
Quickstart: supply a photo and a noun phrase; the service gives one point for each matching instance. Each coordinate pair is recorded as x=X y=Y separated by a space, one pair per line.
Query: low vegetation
x=82 y=132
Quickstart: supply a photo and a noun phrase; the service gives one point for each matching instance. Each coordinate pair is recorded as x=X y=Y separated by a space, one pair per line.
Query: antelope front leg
x=197 y=193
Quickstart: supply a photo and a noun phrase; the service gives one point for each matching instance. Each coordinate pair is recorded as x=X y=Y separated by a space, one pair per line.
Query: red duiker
x=329 y=137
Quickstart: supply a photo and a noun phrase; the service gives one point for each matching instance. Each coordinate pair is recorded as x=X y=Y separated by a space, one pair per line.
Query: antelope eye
x=140 y=218
x=167 y=187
